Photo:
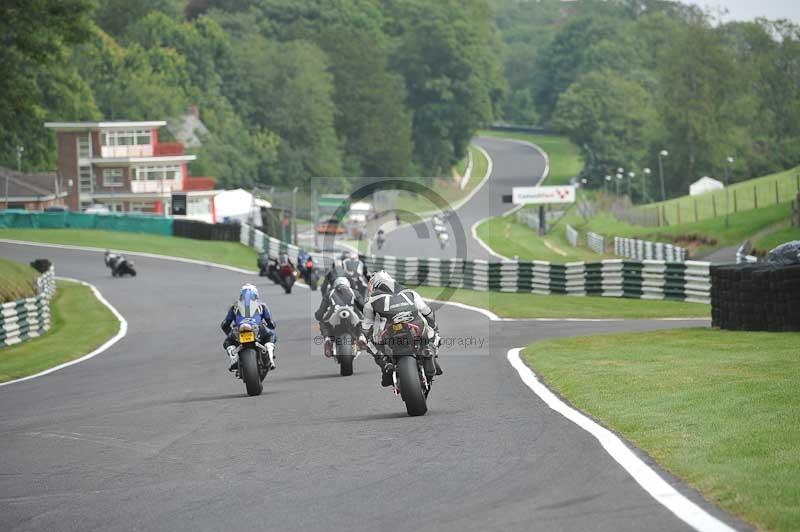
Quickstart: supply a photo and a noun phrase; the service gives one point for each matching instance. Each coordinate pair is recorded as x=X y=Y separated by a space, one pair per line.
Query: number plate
x=397 y=327
x=247 y=337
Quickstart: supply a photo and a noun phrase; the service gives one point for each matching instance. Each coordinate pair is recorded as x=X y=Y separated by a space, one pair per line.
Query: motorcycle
x=287 y=277
x=121 y=267
x=380 y=240
x=263 y=265
x=310 y=274
x=444 y=238
x=413 y=358
x=344 y=327
x=253 y=364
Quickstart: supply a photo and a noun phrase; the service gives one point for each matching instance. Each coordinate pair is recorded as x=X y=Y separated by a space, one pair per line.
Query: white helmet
x=341 y=281
x=380 y=281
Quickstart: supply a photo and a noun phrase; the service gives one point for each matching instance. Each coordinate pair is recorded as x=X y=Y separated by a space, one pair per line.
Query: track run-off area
x=155 y=434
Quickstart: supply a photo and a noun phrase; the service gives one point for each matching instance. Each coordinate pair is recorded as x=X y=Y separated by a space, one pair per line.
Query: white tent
x=703 y=185
x=238 y=205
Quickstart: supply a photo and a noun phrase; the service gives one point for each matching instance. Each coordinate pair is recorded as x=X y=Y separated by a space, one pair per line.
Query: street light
x=661 y=155
x=20 y=149
x=631 y=175
x=608 y=180
x=729 y=160
x=646 y=178
x=619 y=178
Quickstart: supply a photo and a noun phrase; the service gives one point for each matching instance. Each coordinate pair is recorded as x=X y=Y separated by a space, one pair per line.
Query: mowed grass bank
x=229 y=253
x=781 y=187
x=514 y=305
x=565 y=158
x=79 y=324
x=719 y=409
x=17 y=281
x=446 y=187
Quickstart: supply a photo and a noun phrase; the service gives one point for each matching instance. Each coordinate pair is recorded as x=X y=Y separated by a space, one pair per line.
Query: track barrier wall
x=156 y=225
x=28 y=318
x=756 y=297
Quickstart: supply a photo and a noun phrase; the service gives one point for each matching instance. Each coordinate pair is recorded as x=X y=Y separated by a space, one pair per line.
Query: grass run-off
x=719 y=409
x=79 y=324
x=411 y=205
x=230 y=253
x=565 y=158
x=17 y=281
x=515 y=305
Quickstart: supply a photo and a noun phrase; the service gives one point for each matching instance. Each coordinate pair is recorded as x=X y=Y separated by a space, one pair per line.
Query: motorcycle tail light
x=245 y=327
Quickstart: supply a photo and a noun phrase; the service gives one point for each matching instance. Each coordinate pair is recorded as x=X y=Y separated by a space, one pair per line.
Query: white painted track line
x=684 y=509
x=123 y=330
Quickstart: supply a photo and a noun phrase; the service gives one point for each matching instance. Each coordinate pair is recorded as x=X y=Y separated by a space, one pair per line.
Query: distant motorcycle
x=287 y=277
x=444 y=238
x=413 y=358
x=310 y=274
x=120 y=266
x=380 y=239
x=253 y=364
x=344 y=322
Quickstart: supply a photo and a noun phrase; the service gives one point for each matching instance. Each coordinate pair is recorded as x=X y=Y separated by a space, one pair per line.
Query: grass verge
x=17 y=281
x=511 y=239
x=447 y=188
x=230 y=253
x=80 y=323
x=776 y=238
x=565 y=157
x=516 y=305
x=718 y=409
x=781 y=187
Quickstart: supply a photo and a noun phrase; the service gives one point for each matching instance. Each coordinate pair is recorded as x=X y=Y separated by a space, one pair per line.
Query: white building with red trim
x=123 y=165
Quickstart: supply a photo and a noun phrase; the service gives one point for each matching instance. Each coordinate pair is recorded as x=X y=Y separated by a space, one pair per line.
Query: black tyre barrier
x=756 y=297
x=203 y=231
x=41 y=265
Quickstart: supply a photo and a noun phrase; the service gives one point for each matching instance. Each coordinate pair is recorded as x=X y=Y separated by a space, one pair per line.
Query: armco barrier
x=62 y=220
x=680 y=281
x=596 y=242
x=633 y=248
x=573 y=236
x=28 y=318
x=756 y=297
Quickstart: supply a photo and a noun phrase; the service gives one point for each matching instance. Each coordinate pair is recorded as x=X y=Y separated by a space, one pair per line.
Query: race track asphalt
x=155 y=434
x=514 y=165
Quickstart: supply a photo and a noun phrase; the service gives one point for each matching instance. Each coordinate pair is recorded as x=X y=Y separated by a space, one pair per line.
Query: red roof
x=200 y=183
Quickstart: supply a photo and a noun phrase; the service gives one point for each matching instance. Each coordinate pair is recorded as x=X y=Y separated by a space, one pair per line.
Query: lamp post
x=608 y=180
x=661 y=155
x=729 y=162
x=619 y=178
x=631 y=175
x=20 y=149
x=645 y=179
x=294 y=216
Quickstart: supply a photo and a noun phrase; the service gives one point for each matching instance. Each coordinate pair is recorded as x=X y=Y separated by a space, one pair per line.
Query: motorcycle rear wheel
x=410 y=386
x=248 y=367
x=345 y=356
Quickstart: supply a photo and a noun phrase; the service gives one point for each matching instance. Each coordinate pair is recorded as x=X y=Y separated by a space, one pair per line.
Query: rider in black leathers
x=341 y=294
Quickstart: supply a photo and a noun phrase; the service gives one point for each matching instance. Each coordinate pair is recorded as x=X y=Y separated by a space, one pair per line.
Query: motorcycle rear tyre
x=346 y=359
x=410 y=386
x=248 y=366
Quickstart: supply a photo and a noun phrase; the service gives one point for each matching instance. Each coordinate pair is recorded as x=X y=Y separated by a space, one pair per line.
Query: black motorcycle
x=344 y=327
x=310 y=274
x=253 y=363
x=120 y=266
x=286 y=277
x=413 y=358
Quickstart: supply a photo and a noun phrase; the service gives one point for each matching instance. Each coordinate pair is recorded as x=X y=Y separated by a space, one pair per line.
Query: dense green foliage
x=625 y=79
x=288 y=89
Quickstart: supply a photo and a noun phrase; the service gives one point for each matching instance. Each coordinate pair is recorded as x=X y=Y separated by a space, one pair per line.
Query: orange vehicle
x=331 y=226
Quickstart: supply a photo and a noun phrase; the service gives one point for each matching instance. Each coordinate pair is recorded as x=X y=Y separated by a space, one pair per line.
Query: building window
x=114 y=206
x=142 y=206
x=84 y=147
x=112 y=177
x=136 y=137
x=158 y=173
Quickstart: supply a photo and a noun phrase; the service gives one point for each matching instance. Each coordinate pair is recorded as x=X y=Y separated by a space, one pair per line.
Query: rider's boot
x=387 y=372
x=270 y=355
x=438 y=367
x=327 y=347
x=233 y=358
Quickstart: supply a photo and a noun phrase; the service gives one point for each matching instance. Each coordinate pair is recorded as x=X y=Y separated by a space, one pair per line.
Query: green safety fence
x=73 y=220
